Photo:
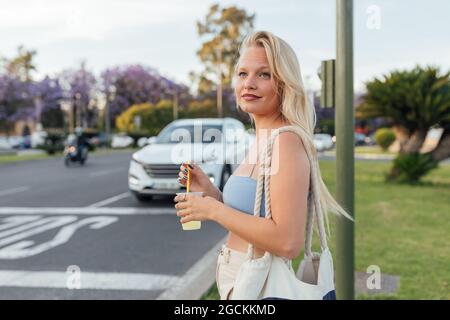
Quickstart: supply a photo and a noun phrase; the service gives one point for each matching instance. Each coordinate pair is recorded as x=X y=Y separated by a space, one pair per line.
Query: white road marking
x=110 y=200
x=13 y=221
x=121 y=211
x=23 y=227
x=88 y=280
x=51 y=223
x=12 y=191
x=27 y=248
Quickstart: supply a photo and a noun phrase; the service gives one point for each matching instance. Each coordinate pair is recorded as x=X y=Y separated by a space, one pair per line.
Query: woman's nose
x=250 y=83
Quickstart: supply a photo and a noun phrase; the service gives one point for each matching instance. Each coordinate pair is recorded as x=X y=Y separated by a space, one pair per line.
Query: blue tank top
x=239 y=193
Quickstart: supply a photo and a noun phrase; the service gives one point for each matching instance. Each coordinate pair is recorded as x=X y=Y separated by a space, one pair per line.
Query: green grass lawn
x=15 y=158
x=371 y=150
x=405 y=230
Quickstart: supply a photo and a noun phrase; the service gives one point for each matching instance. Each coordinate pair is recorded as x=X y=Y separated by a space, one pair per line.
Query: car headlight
x=133 y=180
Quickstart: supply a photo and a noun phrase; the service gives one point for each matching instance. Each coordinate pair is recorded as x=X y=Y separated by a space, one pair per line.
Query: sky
x=388 y=34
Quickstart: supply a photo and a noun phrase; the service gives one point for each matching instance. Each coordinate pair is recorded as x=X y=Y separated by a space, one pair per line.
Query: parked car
x=360 y=139
x=217 y=146
x=142 y=142
x=20 y=142
x=99 y=140
x=38 y=138
x=370 y=140
x=323 y=141
x=121 y=140
x=4 y=143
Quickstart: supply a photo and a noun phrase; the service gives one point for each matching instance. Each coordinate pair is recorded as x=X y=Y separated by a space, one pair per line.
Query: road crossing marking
x=110 y=200
x=88 y=280
x=120 y=211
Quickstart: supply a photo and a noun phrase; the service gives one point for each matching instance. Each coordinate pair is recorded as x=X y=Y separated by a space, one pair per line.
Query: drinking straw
x=188 y=177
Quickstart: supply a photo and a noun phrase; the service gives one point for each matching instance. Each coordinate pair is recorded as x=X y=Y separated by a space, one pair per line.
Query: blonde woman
x=268 y=86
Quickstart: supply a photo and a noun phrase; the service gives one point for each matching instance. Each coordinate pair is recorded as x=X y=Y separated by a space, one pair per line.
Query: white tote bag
x=272 y=277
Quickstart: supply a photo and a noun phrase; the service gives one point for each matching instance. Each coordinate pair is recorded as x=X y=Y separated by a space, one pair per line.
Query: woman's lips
x=250 y=97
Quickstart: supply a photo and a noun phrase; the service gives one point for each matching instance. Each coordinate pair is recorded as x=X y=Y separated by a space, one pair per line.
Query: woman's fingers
x=182 y=175
x=182 y=178
x=180 y=205
x=182 y=212
x=184 y=166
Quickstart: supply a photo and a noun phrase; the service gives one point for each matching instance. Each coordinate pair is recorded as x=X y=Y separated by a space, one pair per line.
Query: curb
x=197 y=280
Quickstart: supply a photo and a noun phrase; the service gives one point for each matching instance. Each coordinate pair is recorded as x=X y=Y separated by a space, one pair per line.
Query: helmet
x=78 y=131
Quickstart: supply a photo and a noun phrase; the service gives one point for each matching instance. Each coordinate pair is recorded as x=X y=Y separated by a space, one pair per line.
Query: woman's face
x=255 y=88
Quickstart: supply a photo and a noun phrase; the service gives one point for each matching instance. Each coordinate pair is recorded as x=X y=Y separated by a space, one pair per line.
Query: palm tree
x=413 y=102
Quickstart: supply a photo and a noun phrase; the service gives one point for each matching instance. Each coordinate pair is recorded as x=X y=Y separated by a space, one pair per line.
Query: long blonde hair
x=295 y=107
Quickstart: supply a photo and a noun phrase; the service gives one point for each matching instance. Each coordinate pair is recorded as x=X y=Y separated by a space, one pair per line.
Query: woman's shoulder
x=289 y=152
x=289 y=140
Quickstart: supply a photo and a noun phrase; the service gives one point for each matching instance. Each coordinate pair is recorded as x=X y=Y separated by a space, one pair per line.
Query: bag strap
x=313 y=205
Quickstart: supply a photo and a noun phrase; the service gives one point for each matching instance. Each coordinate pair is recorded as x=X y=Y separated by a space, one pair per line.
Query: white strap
x=314 y=206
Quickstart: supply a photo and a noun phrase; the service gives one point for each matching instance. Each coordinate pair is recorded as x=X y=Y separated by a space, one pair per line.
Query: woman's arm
x=282 y=235
x=215 y=193
x=255 y=230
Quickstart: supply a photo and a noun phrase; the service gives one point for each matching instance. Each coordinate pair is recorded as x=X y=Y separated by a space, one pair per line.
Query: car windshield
x=190 y=134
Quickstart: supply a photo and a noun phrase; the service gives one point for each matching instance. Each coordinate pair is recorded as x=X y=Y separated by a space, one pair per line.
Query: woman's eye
x=265 y=75
x=241 y=74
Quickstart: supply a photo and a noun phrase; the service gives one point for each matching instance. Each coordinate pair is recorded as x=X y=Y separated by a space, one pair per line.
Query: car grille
x=162 y=170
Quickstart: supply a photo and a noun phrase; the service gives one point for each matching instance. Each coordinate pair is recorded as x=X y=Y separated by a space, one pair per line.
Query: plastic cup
x=191 y=225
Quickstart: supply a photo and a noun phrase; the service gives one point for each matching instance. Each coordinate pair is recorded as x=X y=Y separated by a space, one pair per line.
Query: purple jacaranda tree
x=79 y=87
x=15 y=101
x=47 y=95
x=133 y=84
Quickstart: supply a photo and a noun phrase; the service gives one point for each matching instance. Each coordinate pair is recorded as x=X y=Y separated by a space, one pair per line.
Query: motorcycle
x=72 y=154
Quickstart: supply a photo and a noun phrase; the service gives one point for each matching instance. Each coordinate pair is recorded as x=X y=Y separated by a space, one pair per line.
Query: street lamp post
x=107 y=121
x=108 y=96
x=344 y=149
x=175 y=103
x=219 y=81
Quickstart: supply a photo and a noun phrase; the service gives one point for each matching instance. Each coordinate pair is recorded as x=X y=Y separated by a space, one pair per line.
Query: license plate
x=166 y=185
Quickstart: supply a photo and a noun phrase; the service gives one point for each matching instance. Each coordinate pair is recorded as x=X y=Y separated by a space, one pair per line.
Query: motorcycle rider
x=82 y=143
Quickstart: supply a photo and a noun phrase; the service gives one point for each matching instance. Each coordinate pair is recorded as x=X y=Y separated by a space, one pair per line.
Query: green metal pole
x=344 y=149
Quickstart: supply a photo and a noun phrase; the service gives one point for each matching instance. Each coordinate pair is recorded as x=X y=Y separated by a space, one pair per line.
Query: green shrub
x=410 y=167
x=200 y=109
x=384 y=137
x=326 y=126
x=153 y=118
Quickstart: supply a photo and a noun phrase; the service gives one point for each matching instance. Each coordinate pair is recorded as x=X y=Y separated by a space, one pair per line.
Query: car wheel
x=226 y=173
x=143 y=197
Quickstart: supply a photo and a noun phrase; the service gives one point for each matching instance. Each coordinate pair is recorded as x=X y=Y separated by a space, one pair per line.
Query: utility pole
x=345 y=162
x=175 y=103
x=107 y=118
x=219 y=82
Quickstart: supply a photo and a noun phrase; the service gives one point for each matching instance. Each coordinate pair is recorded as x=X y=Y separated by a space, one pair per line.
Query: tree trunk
x=402 y=137
x=442 y=151
x=415 y=142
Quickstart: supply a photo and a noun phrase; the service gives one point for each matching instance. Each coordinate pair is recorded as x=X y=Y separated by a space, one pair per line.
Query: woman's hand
x=196 y=208
x=199 y=181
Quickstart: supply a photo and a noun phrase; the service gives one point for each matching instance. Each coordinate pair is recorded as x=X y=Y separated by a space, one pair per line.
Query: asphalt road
x=74 y=250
